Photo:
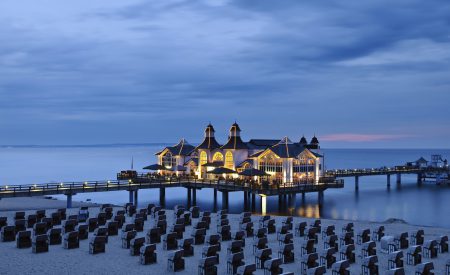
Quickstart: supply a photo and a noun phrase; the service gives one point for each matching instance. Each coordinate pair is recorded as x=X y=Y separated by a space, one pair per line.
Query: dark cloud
x=165 y=68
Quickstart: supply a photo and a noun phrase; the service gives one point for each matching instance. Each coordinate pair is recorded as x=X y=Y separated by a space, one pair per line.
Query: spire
x=303 y=141
x=235 y=131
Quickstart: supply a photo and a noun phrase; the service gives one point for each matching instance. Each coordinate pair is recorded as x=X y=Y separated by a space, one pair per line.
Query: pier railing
x=385 y=171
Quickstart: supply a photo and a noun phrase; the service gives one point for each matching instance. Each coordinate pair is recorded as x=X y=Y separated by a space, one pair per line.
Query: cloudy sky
x=355 y=73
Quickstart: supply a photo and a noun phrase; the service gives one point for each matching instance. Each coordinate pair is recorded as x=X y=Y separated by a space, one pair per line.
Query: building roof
x=244 y=162
x=422 y=159
x=235 y=142
x=303 y=141
x=182 y=148
x=314 y=140
x=209 y=143
x=195 y=160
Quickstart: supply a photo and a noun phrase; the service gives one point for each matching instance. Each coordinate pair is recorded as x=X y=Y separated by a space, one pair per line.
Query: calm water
x=426 y=205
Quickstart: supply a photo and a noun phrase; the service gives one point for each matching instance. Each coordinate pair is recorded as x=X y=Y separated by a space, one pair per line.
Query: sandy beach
x=117 y=260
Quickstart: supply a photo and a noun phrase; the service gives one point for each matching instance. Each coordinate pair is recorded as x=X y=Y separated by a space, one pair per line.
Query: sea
x=426 y=205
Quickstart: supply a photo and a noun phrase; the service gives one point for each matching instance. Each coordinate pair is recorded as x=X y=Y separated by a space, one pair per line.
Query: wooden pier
x=398 y=171
x=70 y=189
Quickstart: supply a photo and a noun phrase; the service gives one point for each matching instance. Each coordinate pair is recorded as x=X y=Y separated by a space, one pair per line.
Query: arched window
x=218 y=157
x=169 y=160
x=203 y=158
x=229 y=163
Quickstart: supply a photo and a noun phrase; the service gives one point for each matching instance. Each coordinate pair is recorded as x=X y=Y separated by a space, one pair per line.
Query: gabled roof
x=194 y=160
x=256 y=154
x=422 y=159
x=244 y=162
x=235 y=142
x=182 y=148
x=209 y=143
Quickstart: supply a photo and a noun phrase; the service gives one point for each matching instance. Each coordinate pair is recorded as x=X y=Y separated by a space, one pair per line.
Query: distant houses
x=282 y=161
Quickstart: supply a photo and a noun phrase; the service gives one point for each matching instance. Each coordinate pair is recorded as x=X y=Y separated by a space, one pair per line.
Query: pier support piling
x=194 y=196
x=69 y=200
x=162 y=196
x=388 y=180
x=320 y=198
x=356 y=182
x=419 y=179
x=130 y=196
x=245 y=200
x=136 y=198
x=253 y=202
x=215 y=200
x=224 y=199
x=188 y=200
x=399 y=179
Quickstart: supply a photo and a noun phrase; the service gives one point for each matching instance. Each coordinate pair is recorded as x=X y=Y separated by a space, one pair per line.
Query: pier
x=421 y=172
x=250 y=190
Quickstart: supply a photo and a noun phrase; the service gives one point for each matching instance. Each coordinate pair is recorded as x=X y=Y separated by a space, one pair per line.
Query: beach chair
x=239 y=236
x=346 y=238
x=73 y=217
x=31 y=220
x=331 y=241
x=128 y=227
x=447 y=267
x=388 y=244
x=135 y=245
x=40 y=244
x=369 y=265
x=97 y=244
x=39 y=228
x=225 y=232
x=40 y=214
x=92 y=224
x=222 y=222
x=187 y=218
x=153 y=236
x=207 y=220
x=271 y=228
x=425 y=269
x=120 y=213
x=329 y=230
x=149 y=208
x=213 y=239
x=62 y=212
x=48 y=222
x=234 y=261
x=262 y=220
x=20 y=225
x=148 y=254
x=318 y=270
x=200 y=225
x=312 y=234
x=131 y=210
x=307 y=247
x=195 y=212
x=248 y=228
x=340 y=268
x=83 y=231
x=113 y=228
x=414 y=255
x=272 y=266
x=368 y=249
x=348 y=227
x=286 y=238
x=108 y=212
x=417 y=237
x=103 y=232
x=139 y=224
x=207 y=266
x=178 y=229
x=101 y=219
x=261 y=256
x=288 y=221
x=143 y=212
x=170 y=241
x=186 y=246
x=247 y=269
x=363 y=236
x=120 y=219
x=175 y=261
x=327 y=257
x=430 y=249
x=286 y=253
x=395 y=259
x=56 y=218
x=401 y=240
x=308 y=261
x=83 y=214
x=71 y=240
x=259 y=244
x=347 y=252
x=69 y=226
x=199 y=235
x=54 y=236
x=3 y=222
x=235 y=247
x=260 y=233
x=378 y=234
x=162 y=225
x=284 y=229
x=23 y=239
x=396 y=271
x=19 y=215
x=442 y=242
x=211 y=251
x=154 y=211
x=127 y=236
x=300 y=229
x=317 y=224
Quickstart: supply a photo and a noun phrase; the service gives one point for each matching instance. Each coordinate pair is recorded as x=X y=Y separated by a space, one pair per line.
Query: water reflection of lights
x=309 y=211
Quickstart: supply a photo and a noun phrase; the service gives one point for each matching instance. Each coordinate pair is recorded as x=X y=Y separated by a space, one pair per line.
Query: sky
x=357 y=74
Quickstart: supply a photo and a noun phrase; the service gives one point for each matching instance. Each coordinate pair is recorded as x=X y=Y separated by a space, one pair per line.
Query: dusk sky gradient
x=358 y=74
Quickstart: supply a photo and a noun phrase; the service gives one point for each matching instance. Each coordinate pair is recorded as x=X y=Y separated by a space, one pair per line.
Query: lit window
x=203 y=158
x=218 y=157
x=229 y=163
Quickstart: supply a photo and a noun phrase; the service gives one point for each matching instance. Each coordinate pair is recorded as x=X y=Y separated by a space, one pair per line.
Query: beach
x=118 y=260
